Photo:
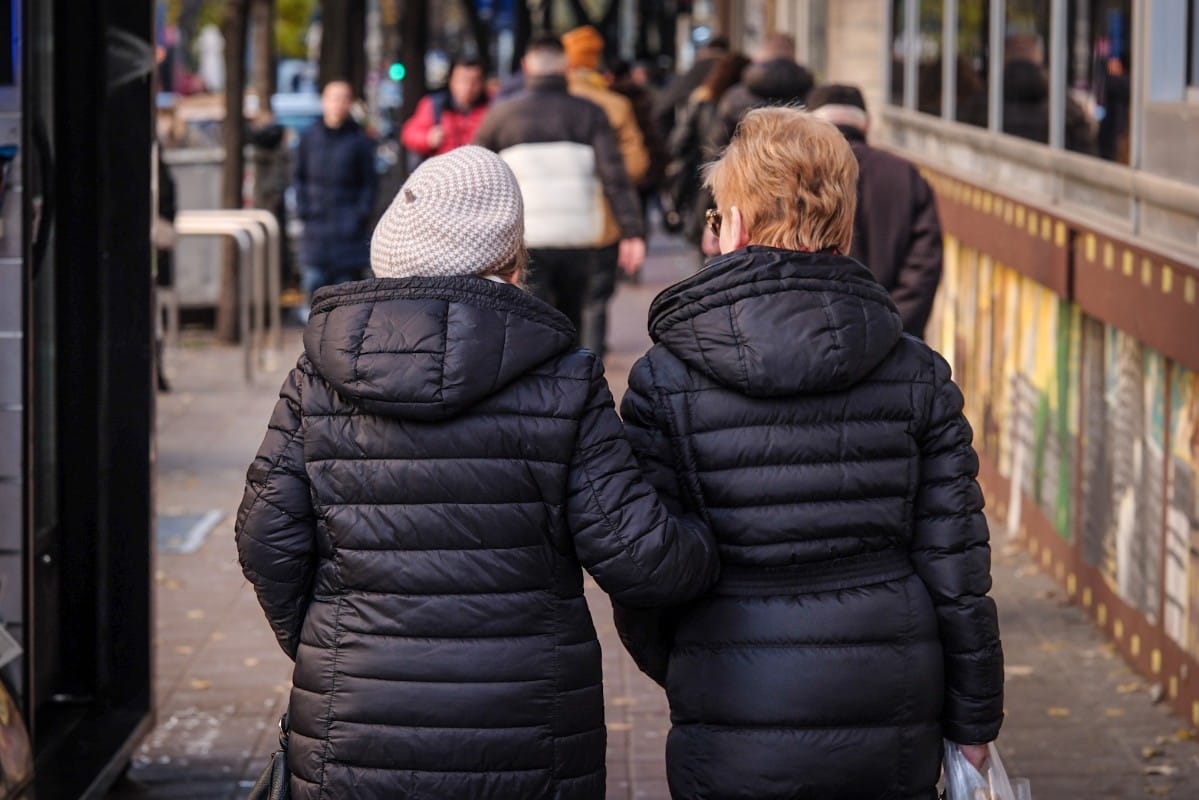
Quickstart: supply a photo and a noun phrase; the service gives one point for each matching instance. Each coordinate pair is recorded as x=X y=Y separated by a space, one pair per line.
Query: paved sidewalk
x=1079 y=723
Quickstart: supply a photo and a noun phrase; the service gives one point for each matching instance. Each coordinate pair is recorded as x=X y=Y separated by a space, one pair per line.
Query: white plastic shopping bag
x=964 y=782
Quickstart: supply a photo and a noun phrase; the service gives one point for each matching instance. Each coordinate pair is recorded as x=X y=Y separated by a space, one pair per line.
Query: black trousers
x=579 y=283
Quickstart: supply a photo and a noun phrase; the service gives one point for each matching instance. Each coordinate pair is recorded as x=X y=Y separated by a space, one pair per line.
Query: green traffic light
x=396 y=72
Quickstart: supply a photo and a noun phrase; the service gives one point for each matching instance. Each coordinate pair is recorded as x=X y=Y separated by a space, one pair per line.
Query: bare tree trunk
x=414 y=34
x=609 y=26
x=580 y=12
x=343 y=43
x=645 y=12
x=481 y=31
x=263 y=15
x=524 y=31
x=235 y=23
x=667 y=46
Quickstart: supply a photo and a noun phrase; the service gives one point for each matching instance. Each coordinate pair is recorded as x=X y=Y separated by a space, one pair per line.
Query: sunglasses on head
x=713 y=218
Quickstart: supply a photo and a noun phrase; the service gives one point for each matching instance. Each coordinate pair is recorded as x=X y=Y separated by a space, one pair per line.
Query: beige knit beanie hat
x=458 y=214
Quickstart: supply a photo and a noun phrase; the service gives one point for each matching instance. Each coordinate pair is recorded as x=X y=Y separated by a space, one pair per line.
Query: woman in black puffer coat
x=441 y=462
x=850 y=631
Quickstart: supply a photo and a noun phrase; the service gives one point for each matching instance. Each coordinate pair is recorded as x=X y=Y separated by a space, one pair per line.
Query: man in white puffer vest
x=571 y=172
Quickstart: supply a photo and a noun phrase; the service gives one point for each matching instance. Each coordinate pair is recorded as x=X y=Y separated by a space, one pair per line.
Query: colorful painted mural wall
x=1089 y=433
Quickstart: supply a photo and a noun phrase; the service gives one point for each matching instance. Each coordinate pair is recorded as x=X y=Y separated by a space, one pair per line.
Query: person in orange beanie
x=584 y=48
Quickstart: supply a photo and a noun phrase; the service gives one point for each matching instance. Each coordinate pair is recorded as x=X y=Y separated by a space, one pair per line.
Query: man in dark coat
x=335 y=182
x=774 y=79
x=442 y=464
x=897 y=233
x=850 y=631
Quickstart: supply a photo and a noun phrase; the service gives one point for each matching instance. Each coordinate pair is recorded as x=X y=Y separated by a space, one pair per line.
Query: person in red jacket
x=447 y=119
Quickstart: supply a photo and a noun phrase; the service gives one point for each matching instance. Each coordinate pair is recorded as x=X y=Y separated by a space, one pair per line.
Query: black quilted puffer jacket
x=850 y=629
x=439 y=464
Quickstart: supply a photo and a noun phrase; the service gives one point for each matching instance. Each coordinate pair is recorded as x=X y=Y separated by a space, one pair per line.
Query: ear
x=733 y=233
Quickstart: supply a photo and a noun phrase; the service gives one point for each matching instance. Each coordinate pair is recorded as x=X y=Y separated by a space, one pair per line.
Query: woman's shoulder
x=912 y=360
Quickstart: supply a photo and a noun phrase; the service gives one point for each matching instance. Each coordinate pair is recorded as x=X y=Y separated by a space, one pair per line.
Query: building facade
x=76 y=402
x=1062 y=138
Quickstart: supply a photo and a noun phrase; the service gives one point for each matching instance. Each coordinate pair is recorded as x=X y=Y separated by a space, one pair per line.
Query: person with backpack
x=448 y=118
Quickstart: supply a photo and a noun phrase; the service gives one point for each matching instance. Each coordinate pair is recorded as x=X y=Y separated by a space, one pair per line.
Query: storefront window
x=1193 y=44
x=932 y=55
x=973 y=62
x=1026 y=70
x=899 y=50
x=1099 y=102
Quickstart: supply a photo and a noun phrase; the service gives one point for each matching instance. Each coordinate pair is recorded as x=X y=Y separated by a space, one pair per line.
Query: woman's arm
x=625 y=536
x=276 y=526
x=952 y=555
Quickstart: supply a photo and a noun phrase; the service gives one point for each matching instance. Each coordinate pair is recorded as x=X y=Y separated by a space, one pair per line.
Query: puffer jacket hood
x=779 y=81
x=429 y=348
x=768 y=322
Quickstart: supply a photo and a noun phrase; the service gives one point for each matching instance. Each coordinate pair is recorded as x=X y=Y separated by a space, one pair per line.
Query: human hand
x=631 y=255
x=976 y=754
x=436 y=137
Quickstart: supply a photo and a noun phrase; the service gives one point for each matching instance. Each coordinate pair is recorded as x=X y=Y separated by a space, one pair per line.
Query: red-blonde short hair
x=793 y=177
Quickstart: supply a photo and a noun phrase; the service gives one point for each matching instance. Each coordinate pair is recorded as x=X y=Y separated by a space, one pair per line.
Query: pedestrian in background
x=165 y=239
x=584 y=48
x=850 y=632
x=575 y=183
x=335 y=180
x=694 y=142
x=446 y=119
x=896 y=232
x=631 y=82
x=774 y=79
x=442 y=463
x=674 y=97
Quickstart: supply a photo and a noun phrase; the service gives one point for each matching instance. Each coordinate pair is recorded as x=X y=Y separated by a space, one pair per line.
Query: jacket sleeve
x=610 y=165
x=920 y=272
x=637 y=551
x=276 y=525
x=648 y=633
x=486 y=133
x=415 y=133
x=632 y=143
x=952 y=555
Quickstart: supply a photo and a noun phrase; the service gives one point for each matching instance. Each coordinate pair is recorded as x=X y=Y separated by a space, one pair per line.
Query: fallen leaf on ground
x=1057 y=711
x=1130 y=687
x=1164 y=770
x=1151 y=752
x=1113 y=712
x=201 y=685
x=251 y=662
x=185 y=649
x=1019 y=670
x=196 y=613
